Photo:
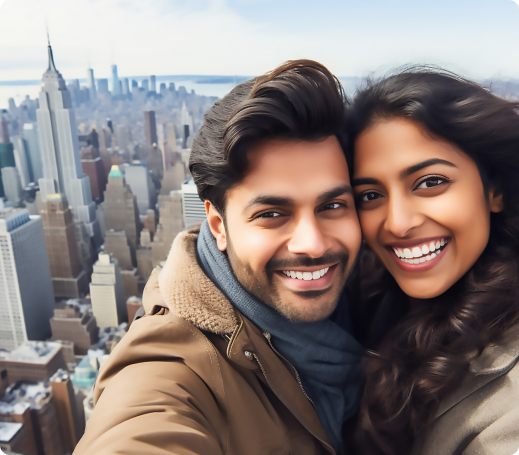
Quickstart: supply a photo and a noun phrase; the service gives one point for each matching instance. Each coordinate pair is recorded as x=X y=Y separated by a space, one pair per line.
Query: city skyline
x=248 y=37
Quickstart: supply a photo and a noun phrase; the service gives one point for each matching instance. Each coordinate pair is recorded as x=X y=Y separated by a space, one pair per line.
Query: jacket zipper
x=281 y=399
x=298 y=379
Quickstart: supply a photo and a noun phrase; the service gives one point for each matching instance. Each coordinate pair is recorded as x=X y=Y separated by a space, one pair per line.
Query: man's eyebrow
x=335 y=192
x=417 y=167
x=406 y=172
x=270 y=200
x=281 y=201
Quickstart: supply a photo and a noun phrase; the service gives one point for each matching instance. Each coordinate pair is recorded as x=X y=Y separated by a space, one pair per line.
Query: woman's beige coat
x=482 y=416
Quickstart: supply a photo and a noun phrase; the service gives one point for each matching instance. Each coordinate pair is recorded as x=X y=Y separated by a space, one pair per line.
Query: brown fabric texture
x=482 y=416
x=175 y=385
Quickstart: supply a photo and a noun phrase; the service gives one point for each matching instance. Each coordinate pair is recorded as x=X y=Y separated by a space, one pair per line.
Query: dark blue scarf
x=326 y=356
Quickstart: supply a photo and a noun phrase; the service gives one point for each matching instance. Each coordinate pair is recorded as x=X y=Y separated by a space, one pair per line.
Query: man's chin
x=308 y=306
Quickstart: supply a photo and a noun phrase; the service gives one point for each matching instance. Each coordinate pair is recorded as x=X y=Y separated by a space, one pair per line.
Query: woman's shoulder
x=480 y=416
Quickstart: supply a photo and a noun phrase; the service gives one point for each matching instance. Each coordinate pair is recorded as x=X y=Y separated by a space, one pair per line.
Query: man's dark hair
x=299 y=100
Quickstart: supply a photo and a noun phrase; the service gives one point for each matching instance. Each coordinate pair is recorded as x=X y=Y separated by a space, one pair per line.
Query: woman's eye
x=430 y=182
x=367 y=197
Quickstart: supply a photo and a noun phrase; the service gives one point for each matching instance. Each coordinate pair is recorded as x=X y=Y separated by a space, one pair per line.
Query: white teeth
x=425 y=249
x=407 y=253
x=422 y=260
x=442 y=242
x=438 y=244
x=417 y=252
x=428 y=258
x=433 y=255
x=432 y=246
x=307 y=276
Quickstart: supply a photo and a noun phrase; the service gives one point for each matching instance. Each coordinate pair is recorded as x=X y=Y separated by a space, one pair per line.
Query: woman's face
x=422 y=206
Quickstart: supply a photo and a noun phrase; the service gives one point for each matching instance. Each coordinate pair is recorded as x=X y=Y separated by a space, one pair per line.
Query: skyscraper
x=32 y=145
x=116 y=88
x=102 y=86
x=91 y=82
x=153 y=84
x=6 y=151
x=150 y=129
x=139 y=179
x=187 y=124
x=26 y=297
x=106 y=292
x=126 y=86
x=68 y=278
x=60 y=149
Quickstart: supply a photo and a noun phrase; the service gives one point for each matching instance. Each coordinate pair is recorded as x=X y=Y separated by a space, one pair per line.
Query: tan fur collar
x=189 y=293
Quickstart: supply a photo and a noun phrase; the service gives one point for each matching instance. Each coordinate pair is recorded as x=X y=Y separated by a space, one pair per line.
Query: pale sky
x=478 y=38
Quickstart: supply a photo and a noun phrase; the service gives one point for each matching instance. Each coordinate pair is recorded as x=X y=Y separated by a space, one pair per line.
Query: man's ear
x=495 y=200
x=216 y=225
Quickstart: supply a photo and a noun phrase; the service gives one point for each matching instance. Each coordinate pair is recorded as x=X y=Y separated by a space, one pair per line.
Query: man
x=244 y=348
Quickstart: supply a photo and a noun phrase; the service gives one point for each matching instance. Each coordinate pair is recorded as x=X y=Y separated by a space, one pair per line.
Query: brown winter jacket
x=194 y=376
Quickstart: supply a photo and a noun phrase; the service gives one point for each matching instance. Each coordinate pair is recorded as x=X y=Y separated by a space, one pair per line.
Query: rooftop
x=8 y=431
x=32 y=352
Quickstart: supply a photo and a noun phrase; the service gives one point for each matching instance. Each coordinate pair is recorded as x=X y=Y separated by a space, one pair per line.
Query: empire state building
x=62 y=171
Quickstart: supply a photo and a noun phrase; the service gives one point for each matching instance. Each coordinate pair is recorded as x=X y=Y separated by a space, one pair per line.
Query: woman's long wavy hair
x=424 y=356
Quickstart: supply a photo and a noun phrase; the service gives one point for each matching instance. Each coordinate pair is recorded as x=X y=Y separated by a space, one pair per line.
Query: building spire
x=52 y=66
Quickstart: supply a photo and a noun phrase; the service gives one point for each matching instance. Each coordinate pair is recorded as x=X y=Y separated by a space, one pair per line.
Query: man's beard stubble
x=263 y=288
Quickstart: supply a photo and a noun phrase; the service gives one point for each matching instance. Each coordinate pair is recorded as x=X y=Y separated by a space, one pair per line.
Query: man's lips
x=306 y=278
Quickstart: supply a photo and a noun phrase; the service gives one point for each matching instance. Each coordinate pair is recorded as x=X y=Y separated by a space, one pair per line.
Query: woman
x=436 y=179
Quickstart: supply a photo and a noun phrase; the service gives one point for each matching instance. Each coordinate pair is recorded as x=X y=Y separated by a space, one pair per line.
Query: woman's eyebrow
x=417 y=167
x=364 y=181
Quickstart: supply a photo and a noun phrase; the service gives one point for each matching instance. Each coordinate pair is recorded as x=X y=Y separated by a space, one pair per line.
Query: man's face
x=291 y=230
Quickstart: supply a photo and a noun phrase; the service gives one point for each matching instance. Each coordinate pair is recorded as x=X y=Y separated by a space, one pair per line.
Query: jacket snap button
x=248 y=354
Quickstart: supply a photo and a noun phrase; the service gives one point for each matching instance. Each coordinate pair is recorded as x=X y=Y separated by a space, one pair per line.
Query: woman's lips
x=426 y=261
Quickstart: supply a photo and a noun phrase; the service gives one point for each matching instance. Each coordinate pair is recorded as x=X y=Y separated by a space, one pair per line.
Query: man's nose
x=402 y=216
x=307 y=238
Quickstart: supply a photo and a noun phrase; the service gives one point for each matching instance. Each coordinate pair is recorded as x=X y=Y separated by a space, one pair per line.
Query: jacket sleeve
x=501 y=437
x=153 y=408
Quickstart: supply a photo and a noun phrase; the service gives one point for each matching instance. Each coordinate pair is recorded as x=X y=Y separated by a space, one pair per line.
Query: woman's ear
x=495 y=200
x=216 y=225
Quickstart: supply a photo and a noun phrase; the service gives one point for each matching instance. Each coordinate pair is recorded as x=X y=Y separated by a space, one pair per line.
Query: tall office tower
x=126 y=86
x=12 y=185
x=44 y=416
x=139 y=179
x=149 y=221
x=172 y=87
x=85 y=248
x=69 y=416
x=170 y=224
x=192 y=207
x=106 y=292
x=32 y=144
x=154 y=165
x=171 y=138
x=6 y=151
x=145 y=85
x=173 y=178
x=115 y=81
x=145 y=256
x=163 y=90
x=22 y=161
x=121 y=212
x=60 y=148
x=94 y=168
x=118 y=245
x=75 y=324
x=122 y=136
x=134 y=83
x=150 y=129
x=68 y=278
x=187 y=124
x=153 y=84
x=102 y=86
x=26 y=297
x=91 y=84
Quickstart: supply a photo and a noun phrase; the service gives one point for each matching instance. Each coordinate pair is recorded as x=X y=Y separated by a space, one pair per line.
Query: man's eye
x=269 y=215
x=431 y=182
x=332 y=206
x=367 y=197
